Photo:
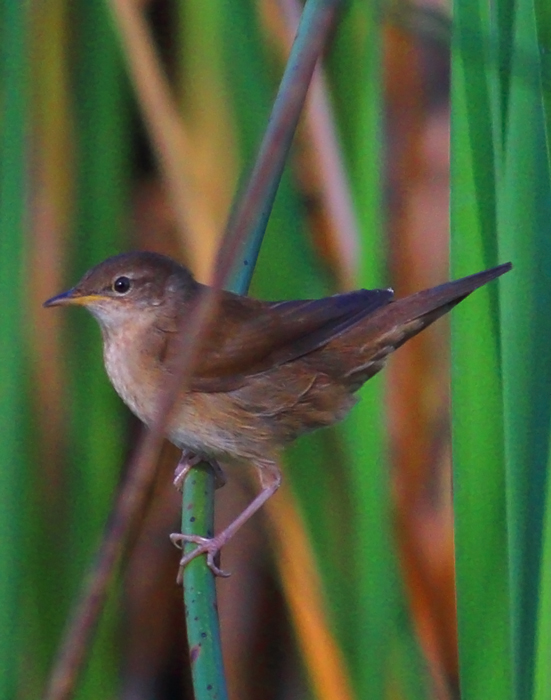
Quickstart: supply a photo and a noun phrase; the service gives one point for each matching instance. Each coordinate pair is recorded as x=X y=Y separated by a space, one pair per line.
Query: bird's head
x=128 y=284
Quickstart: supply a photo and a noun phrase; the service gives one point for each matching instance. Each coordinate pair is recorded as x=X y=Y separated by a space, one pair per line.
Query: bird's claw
x=189 y=460
x=209 y=545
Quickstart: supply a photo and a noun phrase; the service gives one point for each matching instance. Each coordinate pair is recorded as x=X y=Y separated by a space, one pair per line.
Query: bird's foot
x=209 y=545
x=188 y=460
x=270 y=477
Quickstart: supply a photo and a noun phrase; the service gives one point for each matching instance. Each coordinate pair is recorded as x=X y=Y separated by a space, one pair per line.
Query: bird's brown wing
x=250 y=336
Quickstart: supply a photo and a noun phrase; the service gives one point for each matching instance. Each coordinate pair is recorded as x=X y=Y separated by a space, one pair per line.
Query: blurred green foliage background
x=347 y=590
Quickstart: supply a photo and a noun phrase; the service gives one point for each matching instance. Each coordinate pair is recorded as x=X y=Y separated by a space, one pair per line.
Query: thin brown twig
x=130 y=503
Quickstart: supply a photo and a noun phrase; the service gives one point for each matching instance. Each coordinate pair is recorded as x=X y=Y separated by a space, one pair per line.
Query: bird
x=267 y=372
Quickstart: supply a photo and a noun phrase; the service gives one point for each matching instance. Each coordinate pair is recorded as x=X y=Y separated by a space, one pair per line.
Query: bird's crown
x=139 y=277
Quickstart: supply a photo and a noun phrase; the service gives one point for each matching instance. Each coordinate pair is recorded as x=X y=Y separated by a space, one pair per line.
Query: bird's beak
x=72 y=296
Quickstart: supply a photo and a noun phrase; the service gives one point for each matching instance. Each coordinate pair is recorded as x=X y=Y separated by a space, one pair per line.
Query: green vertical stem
x=202 y=624
x=13 y=202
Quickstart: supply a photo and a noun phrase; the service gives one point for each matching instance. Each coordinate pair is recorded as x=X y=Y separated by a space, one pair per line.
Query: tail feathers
x=430 y=304
x=391 y=326
x=448 y=294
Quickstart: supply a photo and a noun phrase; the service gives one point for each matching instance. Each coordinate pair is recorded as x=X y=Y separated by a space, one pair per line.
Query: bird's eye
x=121 y=285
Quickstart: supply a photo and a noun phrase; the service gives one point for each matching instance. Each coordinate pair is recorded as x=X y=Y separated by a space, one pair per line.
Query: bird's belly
x=256 y=421
x=213 y=425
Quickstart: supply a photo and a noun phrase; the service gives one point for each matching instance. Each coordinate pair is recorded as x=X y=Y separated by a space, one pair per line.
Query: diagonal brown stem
x=129 y=505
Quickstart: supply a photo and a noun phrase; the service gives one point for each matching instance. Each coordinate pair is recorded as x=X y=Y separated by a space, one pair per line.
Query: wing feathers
x=250 y=336
x=268 y=334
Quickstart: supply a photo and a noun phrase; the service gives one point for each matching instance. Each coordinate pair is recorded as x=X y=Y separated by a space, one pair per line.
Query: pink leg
x=270 y=478
x=188 y=460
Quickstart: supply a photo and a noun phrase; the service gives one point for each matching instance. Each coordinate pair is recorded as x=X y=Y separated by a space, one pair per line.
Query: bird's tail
x=430 y=304
x=392 y=325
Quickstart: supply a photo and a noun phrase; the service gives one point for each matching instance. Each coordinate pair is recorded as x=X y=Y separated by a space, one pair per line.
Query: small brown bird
x=269 y=371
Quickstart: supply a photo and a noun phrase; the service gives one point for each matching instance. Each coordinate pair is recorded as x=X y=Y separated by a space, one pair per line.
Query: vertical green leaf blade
x=479 y=473
x=13 y=201
x=542 y=669
x=524 y=213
